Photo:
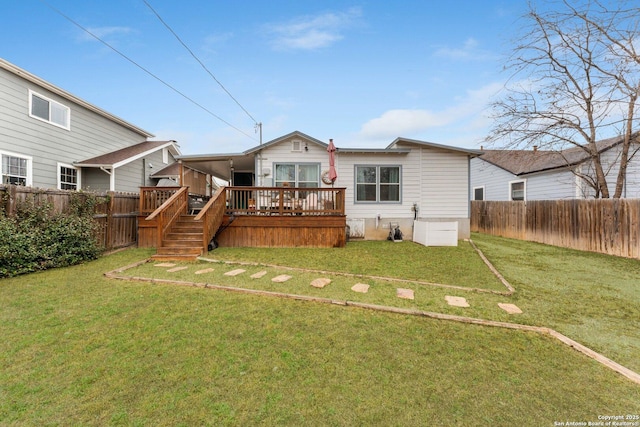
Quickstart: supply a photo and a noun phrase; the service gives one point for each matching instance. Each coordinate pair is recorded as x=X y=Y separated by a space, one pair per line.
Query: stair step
x=170 y=250
x=193 y=236
x=182 y=244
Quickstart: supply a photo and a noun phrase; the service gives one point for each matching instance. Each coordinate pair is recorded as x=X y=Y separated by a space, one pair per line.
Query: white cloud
x=104 y=32
x=468 y=113
x=311 y=32
x=470 y=50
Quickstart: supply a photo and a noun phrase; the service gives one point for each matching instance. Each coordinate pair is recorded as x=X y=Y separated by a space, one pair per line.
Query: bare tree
x=575 y=80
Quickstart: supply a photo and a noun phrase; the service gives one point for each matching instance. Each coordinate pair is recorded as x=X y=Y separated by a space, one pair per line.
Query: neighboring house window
x=48 y=110
x=67 y=177
x=378 y=183
x=165 y=155
x=15 y=169
x=517 y=190
x=478 y=193
x=297 y=174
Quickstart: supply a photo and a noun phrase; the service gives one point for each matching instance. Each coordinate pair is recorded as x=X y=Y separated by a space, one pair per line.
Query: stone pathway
x=321 y=282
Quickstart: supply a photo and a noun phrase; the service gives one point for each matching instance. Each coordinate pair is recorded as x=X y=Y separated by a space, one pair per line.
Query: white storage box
x=435 y=233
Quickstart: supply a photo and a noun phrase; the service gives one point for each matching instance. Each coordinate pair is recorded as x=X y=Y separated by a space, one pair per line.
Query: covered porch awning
x=220 y=166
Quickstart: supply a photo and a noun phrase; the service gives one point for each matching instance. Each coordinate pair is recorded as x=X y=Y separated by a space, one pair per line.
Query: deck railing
x=284 y=201
x=153 y=197
x=169 y=212
x=211 y=216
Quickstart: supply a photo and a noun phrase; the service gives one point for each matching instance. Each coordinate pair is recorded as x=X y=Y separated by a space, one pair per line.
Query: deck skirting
x=315 y=231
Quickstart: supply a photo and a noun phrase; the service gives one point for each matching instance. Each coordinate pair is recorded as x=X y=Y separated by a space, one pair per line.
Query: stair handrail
x=169 y=212
x=212 y=215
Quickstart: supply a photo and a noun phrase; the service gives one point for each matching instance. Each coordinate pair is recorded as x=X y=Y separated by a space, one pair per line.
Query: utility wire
x=197 y=59
x=144 y=69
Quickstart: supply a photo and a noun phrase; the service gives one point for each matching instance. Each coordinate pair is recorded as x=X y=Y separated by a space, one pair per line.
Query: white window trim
x=165 y=155
x=296 y=164
x=66 y=126
x=29 y=159
x=484 y=193
x=524 y=189
x=66 y=165
x=377 y=201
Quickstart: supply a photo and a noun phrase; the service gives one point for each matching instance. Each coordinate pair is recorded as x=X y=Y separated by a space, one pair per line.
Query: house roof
x=283 y=138
x=471 y=152
x=522 y=162
x=126 y=155
x=63 y=93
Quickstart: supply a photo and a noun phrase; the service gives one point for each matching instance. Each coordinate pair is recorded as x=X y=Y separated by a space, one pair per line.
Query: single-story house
x=385 y=188
x=536 y=174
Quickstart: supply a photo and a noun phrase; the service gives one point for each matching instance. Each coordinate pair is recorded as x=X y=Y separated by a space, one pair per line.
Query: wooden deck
x=241 y=217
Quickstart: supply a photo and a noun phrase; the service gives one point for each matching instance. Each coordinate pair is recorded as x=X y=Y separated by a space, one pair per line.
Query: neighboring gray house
x=50 y=138
x=407 y=180
x=549 y=175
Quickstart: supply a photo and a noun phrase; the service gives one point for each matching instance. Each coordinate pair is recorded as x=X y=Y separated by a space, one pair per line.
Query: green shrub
x=38 y=238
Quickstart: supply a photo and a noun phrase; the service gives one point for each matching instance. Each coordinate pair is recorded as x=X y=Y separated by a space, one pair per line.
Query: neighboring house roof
x=170 y=171
x=63 y=93
x=522 y=162
x=126 y=155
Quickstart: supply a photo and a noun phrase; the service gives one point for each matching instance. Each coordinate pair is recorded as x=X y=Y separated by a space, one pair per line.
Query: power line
x=198 y=60
x=144 y=69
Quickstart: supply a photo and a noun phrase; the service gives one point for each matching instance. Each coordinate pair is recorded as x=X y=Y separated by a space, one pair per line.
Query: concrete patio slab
x=173 y=270
x=235 y=272
x=259 y=274
x=510 y=308
x=360 y=287
x=320 y=282
x=281 y=278
x=456 y=301
x=404 y=293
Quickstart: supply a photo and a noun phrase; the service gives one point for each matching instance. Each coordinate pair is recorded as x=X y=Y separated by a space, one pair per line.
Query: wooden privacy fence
x=115 y=213
x=610 y=226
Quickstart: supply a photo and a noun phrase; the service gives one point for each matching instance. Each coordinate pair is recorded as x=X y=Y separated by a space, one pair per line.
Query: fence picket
x=610 y=226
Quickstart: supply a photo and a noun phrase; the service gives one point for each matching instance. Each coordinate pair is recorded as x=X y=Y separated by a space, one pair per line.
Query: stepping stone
x=404 y=293
x=360 y=287
x=172 y=270
x=456 y=301
x=259 y=274
x=281 y=278
x=164 y=264
x=235 y=272
x=320 y=283
x=510 y=308
x=206 y=270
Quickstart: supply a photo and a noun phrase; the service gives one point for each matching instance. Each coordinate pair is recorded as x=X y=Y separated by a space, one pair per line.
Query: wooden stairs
x=183 y=242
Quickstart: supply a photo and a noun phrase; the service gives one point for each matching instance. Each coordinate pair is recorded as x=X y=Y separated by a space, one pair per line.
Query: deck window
x=67 y=177
x=297 y=174
x=517 y=190
x=378 y=183
x=48 y=110
x=15 y=169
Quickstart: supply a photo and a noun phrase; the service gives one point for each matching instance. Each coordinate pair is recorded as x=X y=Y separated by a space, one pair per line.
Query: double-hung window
x=303 y=175
x=517 y=190
x=48 y=110
x=15 y=169
x=67 y=177
x=378 y=183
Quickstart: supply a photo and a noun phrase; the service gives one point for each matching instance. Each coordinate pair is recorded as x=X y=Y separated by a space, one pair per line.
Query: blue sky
x=361 y=72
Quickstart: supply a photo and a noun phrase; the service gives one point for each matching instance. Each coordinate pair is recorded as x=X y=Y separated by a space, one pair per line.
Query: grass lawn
x=80 y=349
